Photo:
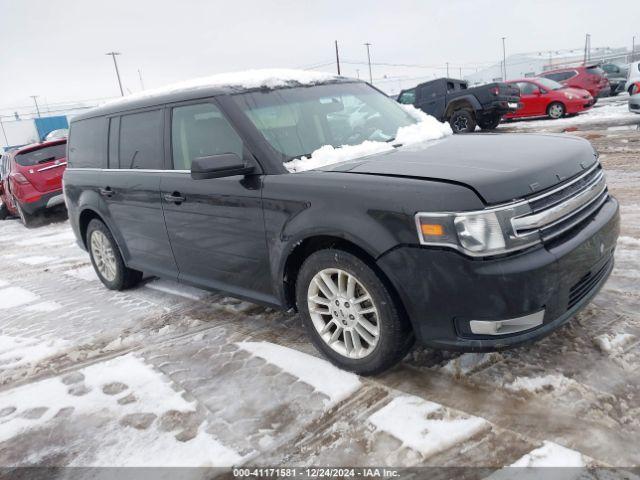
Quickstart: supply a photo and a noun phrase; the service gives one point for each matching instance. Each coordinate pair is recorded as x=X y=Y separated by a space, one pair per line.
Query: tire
x=4 y=211
x=107 y=260
x=556 y=110
x=490 y=122
x=334 y=332
x=25 y=218
x=462 y=121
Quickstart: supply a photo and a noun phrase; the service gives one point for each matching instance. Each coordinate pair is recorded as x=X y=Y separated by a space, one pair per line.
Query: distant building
x=523 y=65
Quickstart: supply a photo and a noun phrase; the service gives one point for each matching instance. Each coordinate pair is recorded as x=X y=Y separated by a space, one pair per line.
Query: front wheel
x=556 y=110
x=462 y=121
x=349 y=313
x=107 y=260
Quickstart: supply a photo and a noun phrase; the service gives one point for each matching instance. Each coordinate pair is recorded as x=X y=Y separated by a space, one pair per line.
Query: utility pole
x=337 y=57
x=369 y=61
x=357 y=72
x=115 y=64
x=633 y=48
x=447 y=69
x=504 y=59
x=587 y=48
x=460 y=73
x=140 y=76
x=36 y=102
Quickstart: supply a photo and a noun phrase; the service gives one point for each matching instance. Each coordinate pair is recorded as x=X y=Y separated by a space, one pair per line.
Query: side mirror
x=216 y=166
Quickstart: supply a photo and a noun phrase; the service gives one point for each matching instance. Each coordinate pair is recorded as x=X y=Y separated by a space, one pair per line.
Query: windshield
x=549 y=84
x=42 y=155
x=298 y=121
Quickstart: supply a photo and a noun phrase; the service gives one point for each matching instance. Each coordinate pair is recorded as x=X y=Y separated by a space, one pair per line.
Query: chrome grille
x=555 y=212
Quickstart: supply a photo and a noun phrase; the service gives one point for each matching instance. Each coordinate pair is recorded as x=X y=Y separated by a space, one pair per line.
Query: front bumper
x=444 y=291
x=634 y=105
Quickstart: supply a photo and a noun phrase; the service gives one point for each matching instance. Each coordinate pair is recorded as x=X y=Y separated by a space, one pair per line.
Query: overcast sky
x=56 y=48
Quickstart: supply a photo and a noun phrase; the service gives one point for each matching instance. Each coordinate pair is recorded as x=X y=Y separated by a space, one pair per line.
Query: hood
x=500 y=168
x=578 y=92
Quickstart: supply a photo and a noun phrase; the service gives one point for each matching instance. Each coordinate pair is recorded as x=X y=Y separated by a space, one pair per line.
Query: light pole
x=369 y=61
x=337 y=57
x=447 y=69
x=115 y=64
x=504 y=59
x=36 y=102
x=633 y=48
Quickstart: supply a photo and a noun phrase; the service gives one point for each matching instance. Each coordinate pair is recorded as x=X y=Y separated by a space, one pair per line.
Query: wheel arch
x=315 y=243
x=466 y=101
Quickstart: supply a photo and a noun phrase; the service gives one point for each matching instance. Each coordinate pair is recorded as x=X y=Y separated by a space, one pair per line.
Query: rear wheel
x=25 y=218
x=462 y=121
x=106 y=258
x=489 y=122
x=4 y=211
x=556 y=110
x=349 y=313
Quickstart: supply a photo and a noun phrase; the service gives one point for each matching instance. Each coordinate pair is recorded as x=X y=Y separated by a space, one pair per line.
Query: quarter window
x=201 y=131
x=88 y=143
x=408 y=97
x=141 y=141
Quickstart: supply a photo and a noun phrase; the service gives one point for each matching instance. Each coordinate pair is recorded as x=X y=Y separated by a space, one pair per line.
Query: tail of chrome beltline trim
x=506 y=327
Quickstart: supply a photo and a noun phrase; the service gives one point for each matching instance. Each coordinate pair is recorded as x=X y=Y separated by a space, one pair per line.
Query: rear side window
x=595 y=71
x=141 y=141
x=560 y=76
x=42 y=155
x=201 y=131
x=88 y=143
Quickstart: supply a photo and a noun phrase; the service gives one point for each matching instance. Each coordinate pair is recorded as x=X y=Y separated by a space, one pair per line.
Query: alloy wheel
x=343 y=313
x=461 y=124
x=103 y=255
x=556 y=111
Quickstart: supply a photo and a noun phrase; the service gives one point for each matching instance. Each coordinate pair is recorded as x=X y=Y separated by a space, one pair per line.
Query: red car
x=591 y=79
x=31 y=179
x=543 y=97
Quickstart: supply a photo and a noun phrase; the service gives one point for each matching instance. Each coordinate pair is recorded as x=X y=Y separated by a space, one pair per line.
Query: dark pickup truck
x=451 y=100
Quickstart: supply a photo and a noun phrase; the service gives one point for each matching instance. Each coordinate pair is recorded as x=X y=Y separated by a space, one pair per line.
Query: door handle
x=106 y=192
x=174 y=197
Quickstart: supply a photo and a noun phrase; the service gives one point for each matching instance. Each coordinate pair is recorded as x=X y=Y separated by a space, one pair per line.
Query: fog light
x=506 y=327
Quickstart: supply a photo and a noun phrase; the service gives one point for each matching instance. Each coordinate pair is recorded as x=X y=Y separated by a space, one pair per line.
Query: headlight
x=478 y=234
x=569 y=96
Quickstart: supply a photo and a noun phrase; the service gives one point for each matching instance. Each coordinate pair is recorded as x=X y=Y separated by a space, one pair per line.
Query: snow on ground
x=538 y=384
x=17 y=351
x=37 y=260
x=425 y=426
x=87 y=273
x=613 y=343
x=601 y=113
x=47 y=240
x=132 y=396
x=174 y=288
x=325 y=378
x=46 y=306
x=15 y=296
x=469 y=362
x=425 y=129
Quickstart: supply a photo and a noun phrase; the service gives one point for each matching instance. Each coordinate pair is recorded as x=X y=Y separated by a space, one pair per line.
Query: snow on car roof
x=249 y=79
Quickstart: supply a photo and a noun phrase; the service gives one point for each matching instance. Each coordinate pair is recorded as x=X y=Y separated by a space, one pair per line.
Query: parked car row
x=31 y=179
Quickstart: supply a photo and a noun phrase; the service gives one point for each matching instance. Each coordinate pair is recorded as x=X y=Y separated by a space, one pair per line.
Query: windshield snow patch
x=425 y=129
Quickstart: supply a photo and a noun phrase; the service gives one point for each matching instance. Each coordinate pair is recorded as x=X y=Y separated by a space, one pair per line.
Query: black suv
x=464 y=108
x=474 y=242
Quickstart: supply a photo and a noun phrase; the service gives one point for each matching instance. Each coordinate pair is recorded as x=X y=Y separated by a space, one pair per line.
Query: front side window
x=550 y=84
x=298 y=121
x=526 y=88
x=201 y=131
x=42 y=155
x=141 y=141
x=408 y=97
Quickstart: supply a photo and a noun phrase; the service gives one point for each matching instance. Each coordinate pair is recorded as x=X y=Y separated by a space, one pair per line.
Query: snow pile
x=261 y=78
x=427 y=128
x=141 y=391
x=320 y=374
x=425 y=426
x=613 y=343
x=551 y=455
x=18 y=351
x=538 y=384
